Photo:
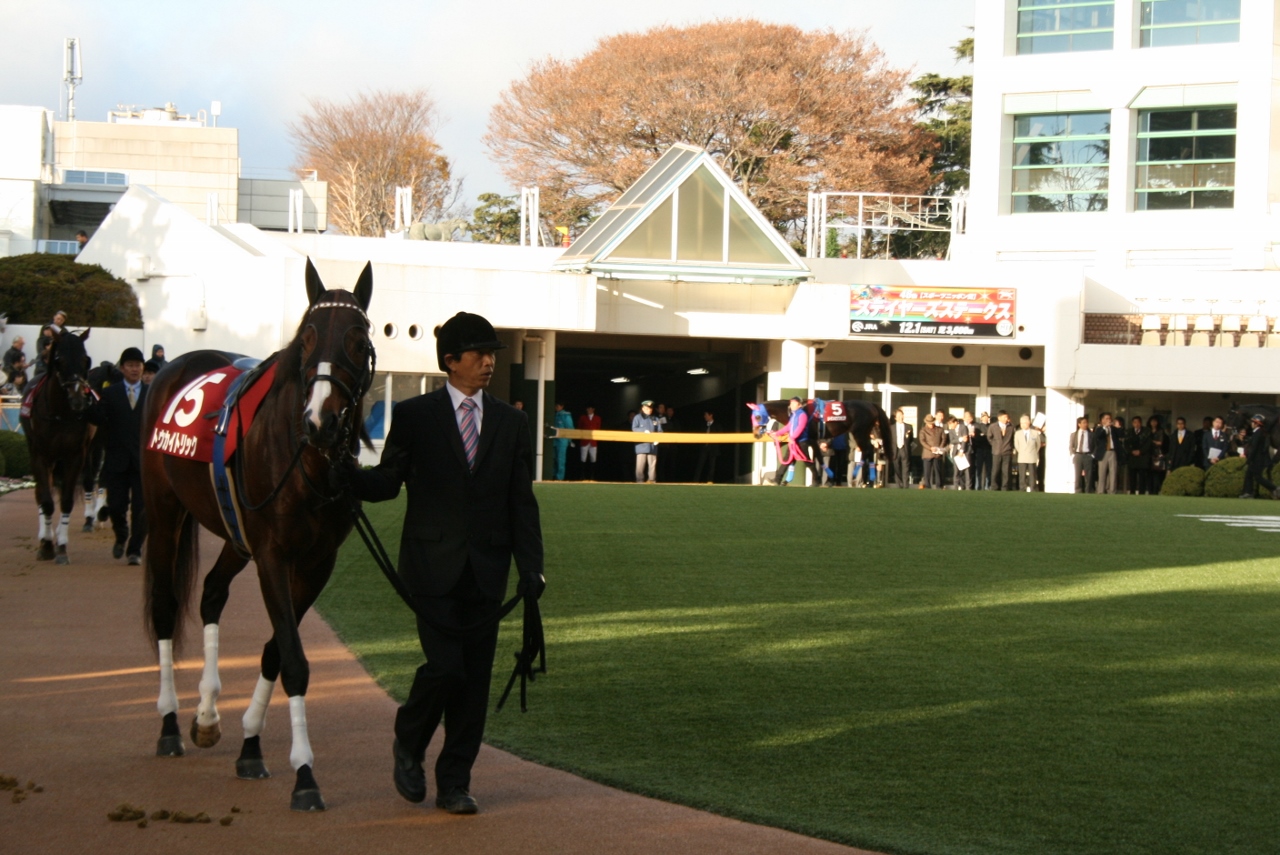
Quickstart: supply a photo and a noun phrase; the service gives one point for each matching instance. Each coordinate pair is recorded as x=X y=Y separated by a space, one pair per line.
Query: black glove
x=342 y=474
x=531 y=585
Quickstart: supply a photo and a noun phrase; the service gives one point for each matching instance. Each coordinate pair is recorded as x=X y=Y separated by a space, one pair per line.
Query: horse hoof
x=252 y=769
x=103 y=515
x=45 y=553
x=205 y=737
x=306 y=801
x=88 y=526
x=62 y=558
x=170 y=746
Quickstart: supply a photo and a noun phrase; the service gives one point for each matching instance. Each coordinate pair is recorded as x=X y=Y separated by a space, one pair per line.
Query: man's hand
x=342 y=474
x=531 y=585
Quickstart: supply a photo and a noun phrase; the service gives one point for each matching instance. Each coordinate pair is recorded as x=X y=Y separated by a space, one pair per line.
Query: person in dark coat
x=157 y=356
x=1137 y=447
x=1258 y=459
x=467 y=461
x=119 y=416
x=1159 y=454
x=709 y=453
x=1183 y=447
x=1000 y=436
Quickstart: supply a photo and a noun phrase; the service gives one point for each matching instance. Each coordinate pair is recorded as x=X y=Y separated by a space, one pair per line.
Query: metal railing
x=866 y=213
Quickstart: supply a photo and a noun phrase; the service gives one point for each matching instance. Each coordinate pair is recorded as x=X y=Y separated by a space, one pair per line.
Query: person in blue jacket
x=563 y=419
x=646 y=452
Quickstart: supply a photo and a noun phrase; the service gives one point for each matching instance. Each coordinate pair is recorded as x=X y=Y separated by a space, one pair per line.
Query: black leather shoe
x=411 y=781
x=457 y=800
x=117 y=549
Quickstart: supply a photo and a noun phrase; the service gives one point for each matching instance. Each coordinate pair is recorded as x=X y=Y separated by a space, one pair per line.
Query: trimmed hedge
x=16 y=457
x=1184 y=481
x=34 y=286
x=1225 y=479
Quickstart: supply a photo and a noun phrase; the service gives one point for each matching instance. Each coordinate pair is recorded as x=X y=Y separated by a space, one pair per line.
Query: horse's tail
x=168 y=589
x=885 y=425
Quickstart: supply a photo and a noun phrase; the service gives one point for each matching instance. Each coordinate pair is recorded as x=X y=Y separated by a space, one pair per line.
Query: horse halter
x=363 y=374
x=77 y=386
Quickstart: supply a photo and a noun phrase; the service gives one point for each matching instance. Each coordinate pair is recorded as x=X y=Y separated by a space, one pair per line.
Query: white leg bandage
x=300 y=755
x=210 y=684
x=255 y=717
x=64 y=525
x=168 y=702
x=46 y=530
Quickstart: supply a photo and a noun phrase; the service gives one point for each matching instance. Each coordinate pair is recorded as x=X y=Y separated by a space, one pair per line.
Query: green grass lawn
x=912 y=672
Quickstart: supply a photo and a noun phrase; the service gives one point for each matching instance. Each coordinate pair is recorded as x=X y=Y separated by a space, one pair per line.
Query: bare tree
x=785 y=111
x=368 y=147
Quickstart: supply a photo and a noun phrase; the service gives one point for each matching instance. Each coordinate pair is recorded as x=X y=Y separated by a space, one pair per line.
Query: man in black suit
x=467 y=459
x=900 y=437
x=1082 y=455
x=1000 y=435
x=119 y=416
x=1216 y=439
x=1183 y=450
x=709 y=454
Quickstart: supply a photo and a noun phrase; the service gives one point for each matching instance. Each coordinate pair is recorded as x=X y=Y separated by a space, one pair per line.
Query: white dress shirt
x=456 y=396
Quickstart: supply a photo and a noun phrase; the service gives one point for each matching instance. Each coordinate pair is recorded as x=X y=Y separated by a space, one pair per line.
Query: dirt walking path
x=78 y=719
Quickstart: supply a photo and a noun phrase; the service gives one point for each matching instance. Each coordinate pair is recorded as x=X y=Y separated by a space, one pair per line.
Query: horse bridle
x=77 y=386
x=363 y=374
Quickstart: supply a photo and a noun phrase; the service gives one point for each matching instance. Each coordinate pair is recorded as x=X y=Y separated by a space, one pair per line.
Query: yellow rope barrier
x=636 y=437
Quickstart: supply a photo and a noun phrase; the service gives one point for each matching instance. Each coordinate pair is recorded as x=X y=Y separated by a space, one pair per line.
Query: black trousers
x=453 y=684
x=981 y=469
x=1026 y=476
x=124 y=504
x=1002 y=472
x=932 y=475
x=902 y=467
x=706 y=465
x=1256 y=474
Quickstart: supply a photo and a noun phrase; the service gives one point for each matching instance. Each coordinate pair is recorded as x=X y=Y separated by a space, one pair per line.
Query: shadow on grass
x=907 y=672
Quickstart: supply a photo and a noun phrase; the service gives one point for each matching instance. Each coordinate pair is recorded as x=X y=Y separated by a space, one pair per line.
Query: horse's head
x=759 y=418
x=337 y=359
x=69 y=365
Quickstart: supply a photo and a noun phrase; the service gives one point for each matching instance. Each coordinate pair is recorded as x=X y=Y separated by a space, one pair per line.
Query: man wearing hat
x=119 y=416
x=646 y=452
x=467 y=459
x=1257 y=458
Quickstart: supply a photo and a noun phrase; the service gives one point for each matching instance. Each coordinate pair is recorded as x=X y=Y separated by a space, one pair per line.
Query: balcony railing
x=1243 y=331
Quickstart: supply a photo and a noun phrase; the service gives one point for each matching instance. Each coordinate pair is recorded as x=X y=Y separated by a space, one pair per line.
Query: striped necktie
x=470 y=433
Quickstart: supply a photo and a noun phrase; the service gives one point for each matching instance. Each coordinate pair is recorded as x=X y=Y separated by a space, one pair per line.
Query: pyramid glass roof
x=684 y=219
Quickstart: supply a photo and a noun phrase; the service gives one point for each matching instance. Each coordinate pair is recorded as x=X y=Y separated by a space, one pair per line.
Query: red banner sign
x=877 y=310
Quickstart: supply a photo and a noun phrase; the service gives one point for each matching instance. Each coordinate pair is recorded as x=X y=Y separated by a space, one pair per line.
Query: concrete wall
x=182 y=164
x=265 y=203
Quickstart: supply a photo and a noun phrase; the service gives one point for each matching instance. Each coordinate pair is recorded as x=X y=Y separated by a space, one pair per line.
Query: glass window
x=850 y=372
x=1060 y=162
x=652 y=239
x=935 y=375
x=747 y=244
x=1060 y=26
x=701 y=223
x=1186 y=159
x=1014 y=377
x=1189 y=22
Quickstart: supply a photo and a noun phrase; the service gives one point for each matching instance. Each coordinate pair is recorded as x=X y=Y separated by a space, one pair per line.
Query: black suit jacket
x=122 y=427
x=907 y=436
x=456 y=516
x=1100 y=442
x=1000 y=445
x=1185 y=453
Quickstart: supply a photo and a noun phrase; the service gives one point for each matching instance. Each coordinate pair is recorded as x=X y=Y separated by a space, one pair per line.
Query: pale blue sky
x=264 y=59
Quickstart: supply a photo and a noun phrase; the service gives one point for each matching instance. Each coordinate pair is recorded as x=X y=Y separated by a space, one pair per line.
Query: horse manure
x=126 y=812
x=226 y=820
x=142 y=823
x=31 y=785
x=235 y=809
x=19 y=797
x=182 y=817
x=203 y=817
x=160 y=814
x=38 y=790
x=8 y=783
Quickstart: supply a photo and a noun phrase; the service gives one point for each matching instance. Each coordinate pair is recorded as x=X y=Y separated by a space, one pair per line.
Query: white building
x=1124 y=172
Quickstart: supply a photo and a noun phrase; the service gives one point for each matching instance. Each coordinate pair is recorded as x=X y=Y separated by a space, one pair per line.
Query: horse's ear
x=364 y=286
x=84 y=336
x=315 y=288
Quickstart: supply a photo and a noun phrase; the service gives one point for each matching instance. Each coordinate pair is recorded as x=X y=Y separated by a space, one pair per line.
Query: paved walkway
x=77 y=717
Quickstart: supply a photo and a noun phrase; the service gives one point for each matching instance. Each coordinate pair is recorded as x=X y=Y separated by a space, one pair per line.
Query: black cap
x=151 y=365
x=463 y=332
x=131 y=354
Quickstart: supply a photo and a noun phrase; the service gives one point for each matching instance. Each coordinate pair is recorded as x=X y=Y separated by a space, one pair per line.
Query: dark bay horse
x=309 y=418
x=865 y=422
x=58 y=434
